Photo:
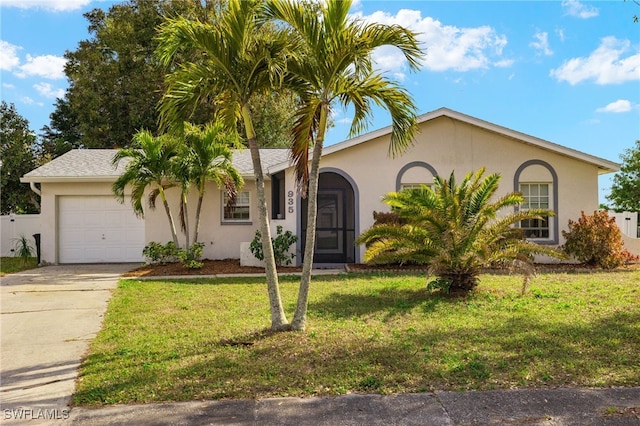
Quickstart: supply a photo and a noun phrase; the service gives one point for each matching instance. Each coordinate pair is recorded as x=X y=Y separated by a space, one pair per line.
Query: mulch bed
x=232 y=266
x=210 y=267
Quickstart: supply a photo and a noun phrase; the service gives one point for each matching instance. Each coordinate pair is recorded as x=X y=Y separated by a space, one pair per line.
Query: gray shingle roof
x=95 y=165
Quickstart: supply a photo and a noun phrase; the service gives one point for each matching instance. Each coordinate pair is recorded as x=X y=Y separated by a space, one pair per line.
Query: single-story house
x=82 y=221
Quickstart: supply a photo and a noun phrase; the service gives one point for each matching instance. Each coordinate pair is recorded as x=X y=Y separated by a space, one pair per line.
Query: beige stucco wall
x=450 y=145
x=49 y=211
x=221 y=239
x=444 y=144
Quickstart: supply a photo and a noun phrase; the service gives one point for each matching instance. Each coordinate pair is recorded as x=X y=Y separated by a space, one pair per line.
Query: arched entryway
x=336 y=222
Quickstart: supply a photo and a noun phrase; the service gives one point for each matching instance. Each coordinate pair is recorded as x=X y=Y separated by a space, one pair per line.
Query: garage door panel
x=93 y=219
x=96 y=229
x=114 y=218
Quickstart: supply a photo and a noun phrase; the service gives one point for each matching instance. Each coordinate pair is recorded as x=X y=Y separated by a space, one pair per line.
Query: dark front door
x=335 y=223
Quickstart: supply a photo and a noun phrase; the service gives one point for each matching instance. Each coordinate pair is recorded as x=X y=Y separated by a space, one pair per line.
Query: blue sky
x=564 y=71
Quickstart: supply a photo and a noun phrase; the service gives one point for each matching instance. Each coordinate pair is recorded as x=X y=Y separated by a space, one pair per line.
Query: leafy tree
x=625 y=190
x=334 y=65
x=150 y=165
x=16 y=159
x=115 y=83
x=229 y=61
x=62 y=135
x=455 y=229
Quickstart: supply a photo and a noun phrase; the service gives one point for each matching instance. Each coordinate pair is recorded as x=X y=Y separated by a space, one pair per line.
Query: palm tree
x=231 y=61
x=208 y=158
x=454 y=229
x=334 y=66
x=150 y=166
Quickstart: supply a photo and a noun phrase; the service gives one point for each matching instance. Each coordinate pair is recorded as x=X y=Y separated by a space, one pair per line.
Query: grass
x=206 y=339
x=9 y=265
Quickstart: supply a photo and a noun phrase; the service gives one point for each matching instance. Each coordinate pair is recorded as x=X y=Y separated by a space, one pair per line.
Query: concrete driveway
x=48 y=316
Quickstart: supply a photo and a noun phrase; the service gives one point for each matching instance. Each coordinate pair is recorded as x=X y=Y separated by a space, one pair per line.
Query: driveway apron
x=48 y=317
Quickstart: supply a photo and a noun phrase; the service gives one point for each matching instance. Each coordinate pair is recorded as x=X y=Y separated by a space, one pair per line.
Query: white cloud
x=27 y=100
x=8 y=56
x=53 y=5
x=541 y=44
x=576 y=9
x=47 y=66
x=447 y=47
x=605 y=65
x=504 y=63
x=8 y=86
x=621 y=105
x=46 y=90
x=400 y=76
x=560 y=33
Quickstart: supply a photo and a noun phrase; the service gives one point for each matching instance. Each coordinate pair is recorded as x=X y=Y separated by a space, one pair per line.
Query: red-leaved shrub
x=596 y=240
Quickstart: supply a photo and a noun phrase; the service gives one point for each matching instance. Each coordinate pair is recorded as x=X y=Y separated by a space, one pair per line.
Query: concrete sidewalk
x=579 y=407
x=48 y=316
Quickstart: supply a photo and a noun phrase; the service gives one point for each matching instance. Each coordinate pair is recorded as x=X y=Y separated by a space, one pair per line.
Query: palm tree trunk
x=198 y=210
x=185 y=218
x=300 y=316
x=278 y=317
x=174 y=234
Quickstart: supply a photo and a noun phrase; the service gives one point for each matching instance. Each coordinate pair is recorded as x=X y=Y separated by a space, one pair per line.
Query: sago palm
x=455 y=229
x=150 y=167
x=228 y=62
x=334 y=66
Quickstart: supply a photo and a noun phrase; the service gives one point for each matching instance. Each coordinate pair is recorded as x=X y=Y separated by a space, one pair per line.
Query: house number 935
x=290 y=202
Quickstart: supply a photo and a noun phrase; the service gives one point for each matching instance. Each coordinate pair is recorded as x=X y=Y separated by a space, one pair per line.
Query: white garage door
x=98 y=229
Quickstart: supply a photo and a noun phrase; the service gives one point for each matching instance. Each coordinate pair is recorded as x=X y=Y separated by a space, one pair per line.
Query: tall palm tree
x=150 y=166
x=334 y=66
x=455 y=229
x=229 y=62
x=208 y=157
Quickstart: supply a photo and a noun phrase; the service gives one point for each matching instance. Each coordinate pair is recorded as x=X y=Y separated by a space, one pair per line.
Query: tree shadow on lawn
x=394 y=301
x=494 y=355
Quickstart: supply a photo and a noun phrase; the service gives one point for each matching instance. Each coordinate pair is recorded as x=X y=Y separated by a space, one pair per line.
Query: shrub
x=159 y=253
x=387 y=218
x=23 y=249
x=190 y=258
x=596 y=240
x=162 y=254
x=281 y=244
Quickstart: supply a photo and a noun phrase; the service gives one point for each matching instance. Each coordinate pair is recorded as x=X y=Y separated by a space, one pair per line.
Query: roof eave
x=67 y=179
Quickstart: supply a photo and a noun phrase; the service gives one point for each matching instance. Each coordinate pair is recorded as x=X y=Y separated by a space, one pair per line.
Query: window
x=278 y=196
x=238 y=212
x=536 y=196
x=413 y=174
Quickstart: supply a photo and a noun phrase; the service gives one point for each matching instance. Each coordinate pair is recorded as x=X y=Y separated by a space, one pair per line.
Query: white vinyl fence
x=13 y=226
x=628 y=224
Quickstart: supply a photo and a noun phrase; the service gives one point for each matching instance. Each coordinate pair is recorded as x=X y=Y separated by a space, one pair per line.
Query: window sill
x=543 y=241
x=238 y=222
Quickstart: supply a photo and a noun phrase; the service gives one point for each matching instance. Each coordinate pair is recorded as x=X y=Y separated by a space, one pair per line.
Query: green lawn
x=10 y=265
x=175 y=341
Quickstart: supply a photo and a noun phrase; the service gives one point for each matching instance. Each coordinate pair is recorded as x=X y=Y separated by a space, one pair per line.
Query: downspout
x=33 y=187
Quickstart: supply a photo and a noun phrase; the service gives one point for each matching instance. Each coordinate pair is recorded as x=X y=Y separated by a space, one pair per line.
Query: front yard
x=382 y=333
